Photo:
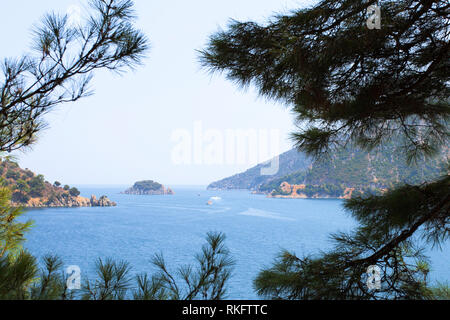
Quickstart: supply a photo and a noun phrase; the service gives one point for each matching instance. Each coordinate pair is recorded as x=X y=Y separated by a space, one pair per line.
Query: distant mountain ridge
x=344 y=172
x=290 y=161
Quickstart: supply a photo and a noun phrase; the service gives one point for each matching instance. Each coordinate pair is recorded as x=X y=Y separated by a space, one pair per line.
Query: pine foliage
x=62 y=64
x=349 y=85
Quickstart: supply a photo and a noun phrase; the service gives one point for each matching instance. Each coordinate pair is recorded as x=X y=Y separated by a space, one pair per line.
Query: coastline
x=69 y=202
x=290 y=196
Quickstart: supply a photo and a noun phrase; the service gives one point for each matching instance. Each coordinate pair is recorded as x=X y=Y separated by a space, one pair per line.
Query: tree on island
x=74 y=192
x=147 y=185
x=351 y=85
x=37 y=186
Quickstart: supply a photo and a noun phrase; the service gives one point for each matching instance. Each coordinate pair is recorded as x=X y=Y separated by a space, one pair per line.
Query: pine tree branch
x=406 y=234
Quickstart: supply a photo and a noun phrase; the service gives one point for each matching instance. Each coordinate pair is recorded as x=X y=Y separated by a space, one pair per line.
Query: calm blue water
x=257 y=228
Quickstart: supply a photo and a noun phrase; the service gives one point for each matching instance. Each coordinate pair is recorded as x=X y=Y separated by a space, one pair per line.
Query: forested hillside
x=383 y=168
x=32 y=190
x=251 y=179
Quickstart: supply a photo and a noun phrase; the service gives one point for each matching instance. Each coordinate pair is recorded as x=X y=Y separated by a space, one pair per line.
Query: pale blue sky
x=123 y=132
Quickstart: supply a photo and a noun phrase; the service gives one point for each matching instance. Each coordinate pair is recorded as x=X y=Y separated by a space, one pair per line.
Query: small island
x=148 y=187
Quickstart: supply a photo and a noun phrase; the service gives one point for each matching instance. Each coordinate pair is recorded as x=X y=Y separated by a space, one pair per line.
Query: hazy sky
x=126 y=131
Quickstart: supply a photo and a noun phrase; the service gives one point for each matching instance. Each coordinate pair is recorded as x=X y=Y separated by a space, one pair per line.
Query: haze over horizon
x=124 y=132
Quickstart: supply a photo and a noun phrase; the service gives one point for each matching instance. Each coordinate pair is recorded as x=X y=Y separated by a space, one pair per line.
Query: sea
x=257 y=229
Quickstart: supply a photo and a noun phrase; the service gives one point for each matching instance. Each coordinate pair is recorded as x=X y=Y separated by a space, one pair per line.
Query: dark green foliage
x=29 y=173
x=328 y=277
x=74 y=192
x=23 y=186
x=112 y=283
x=11 y=231
x=51 y=283
x=280 y=191
x=149 y=288
x=383 y=168
x=19 y=197
x=384 y=238
x=28 y=185
x=51 y=199
x=350 y=167
x=21 y=279
x=57 y=184
x=348 y=83
x=440 y=292
x=16 y=275
x=11 y=164
x=323 y=190
x=207 y=281
x=62 y=65
x=348 y=86
x=17 y=268
x=12 y=175
x=37 y=186
x=407 y=208
x=147 y=185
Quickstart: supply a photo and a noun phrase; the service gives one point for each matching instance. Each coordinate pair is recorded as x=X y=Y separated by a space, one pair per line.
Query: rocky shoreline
x=294 y=191
x=136 y=192
x=296 y=196
x=139 y=192
x=67 y=202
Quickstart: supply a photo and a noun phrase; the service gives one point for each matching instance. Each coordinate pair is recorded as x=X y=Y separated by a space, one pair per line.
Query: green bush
x=29 y=174
x=147 y=185
x=19 y=197
x=74 y=192
x=23 y=186
x=10 y=174
x=37 y=186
